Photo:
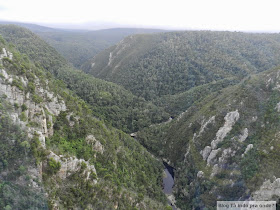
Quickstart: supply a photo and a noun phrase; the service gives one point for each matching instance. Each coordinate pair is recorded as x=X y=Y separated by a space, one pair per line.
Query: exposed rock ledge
x=70 y=165
x=209 y=153
x=172 y=200
x=230 y=120
x=35 y=112
x=267 y=190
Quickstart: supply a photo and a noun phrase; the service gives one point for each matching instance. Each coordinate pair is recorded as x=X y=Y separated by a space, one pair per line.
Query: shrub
x=16 y=105
x=37 y=99
x=53 y=166
x=31 y=87
x=18 y=84
x=23 y=117
x=23 y=107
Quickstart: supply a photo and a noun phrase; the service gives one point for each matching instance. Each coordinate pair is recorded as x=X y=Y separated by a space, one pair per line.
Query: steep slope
x=227 y=145
x=156 y=65
x=109 y=101
x=56 y=154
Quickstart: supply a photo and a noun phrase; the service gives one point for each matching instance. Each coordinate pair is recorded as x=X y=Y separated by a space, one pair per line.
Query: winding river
x=168 y=182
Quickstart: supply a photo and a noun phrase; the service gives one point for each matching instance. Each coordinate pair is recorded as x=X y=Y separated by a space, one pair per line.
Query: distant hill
x=30 y=26
x=155 y=65
x=78 y=46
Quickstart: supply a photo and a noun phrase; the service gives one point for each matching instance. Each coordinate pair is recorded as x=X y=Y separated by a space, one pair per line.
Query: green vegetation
x=256 y=100
x=152 y=66
x=15 y=158
x=109 y=101
x=53 y=166
x=23 y=117
x=197 y=78
x=80 y=46
x=178 y=103
x=123 y=166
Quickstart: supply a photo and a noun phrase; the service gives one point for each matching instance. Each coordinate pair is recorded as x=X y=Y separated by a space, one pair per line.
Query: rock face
x=70 y=165
x=209 y=153
x=36 y=118
x=278 y=107
x=230 y=120
x=267 y=190
x=6 y=54
x=96 y=145
x=249 y=147
x=35 y=114
x=244 y=135
x=212 y=156
x=206 y=152
x=204 y=125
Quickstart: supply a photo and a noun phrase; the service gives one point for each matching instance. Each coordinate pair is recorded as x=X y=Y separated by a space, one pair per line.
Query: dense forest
x=78 y=46
x=153 y=66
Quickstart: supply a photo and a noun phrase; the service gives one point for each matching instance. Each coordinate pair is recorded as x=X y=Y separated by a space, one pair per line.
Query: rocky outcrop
x=172 y=200
x=96 y=145
x=36 y=117
x=244 y=135
x=278 y=107
x=212 y=156
x=230 y=120
x=210 y=153
x=200 y=174
x=6 y=53
x=267 y=190
x=248 y=148
x=227 y=153
x=206 y=152
x=55 y=105
x=205 y=124
x=215 y=170
x=69 y=165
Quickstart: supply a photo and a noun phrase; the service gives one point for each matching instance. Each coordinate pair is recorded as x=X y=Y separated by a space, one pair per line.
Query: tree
x=26 y=146
x=54 y=166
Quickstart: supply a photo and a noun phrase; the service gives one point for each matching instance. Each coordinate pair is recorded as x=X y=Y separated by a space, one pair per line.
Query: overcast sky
x=235 y=15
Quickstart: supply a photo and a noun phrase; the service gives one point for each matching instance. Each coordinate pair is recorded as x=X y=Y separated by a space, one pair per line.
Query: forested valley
x=207 y=103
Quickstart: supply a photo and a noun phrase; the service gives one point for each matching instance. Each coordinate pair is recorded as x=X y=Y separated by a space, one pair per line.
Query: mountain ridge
x=77 y=46
x=174 y=62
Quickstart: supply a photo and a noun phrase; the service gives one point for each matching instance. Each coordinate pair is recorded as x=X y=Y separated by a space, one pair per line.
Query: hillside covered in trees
x=78 y=46
x=156 y=65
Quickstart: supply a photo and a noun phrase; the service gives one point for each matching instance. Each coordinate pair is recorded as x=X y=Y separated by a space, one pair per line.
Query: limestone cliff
x=35 y=117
